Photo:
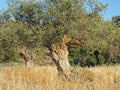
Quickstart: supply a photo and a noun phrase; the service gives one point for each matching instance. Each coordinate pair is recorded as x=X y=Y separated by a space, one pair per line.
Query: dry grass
x=45 y=78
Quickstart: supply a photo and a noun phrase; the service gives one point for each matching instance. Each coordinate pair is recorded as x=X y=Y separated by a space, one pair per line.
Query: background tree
x=116 y=20
x=8 y=42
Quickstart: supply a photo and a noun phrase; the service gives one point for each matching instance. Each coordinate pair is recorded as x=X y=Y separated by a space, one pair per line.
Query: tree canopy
x=35 y=23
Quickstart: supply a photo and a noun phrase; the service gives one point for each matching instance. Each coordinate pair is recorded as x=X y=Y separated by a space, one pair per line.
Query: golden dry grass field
x=45 y=78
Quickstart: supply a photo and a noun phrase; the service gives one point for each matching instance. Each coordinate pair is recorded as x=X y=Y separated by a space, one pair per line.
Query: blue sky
x=113 y=8
x=3 y=4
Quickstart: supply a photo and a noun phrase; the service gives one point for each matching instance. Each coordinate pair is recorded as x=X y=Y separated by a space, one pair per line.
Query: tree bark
x=60 y=58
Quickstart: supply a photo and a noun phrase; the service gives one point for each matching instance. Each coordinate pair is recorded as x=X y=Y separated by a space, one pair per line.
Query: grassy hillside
x=45 y=78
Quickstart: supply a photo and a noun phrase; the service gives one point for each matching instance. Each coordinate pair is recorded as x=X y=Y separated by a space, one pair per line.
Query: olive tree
x=54 y=24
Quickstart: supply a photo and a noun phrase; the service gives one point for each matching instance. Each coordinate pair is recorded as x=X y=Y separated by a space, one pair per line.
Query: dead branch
x=68 y=40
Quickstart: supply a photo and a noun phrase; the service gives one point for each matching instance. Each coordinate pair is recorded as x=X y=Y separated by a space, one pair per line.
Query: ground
x=45 y=78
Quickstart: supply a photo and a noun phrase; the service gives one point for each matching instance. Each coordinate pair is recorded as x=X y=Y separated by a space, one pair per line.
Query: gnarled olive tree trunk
x=60 y=53
x=60 y=58
x=28 y=58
